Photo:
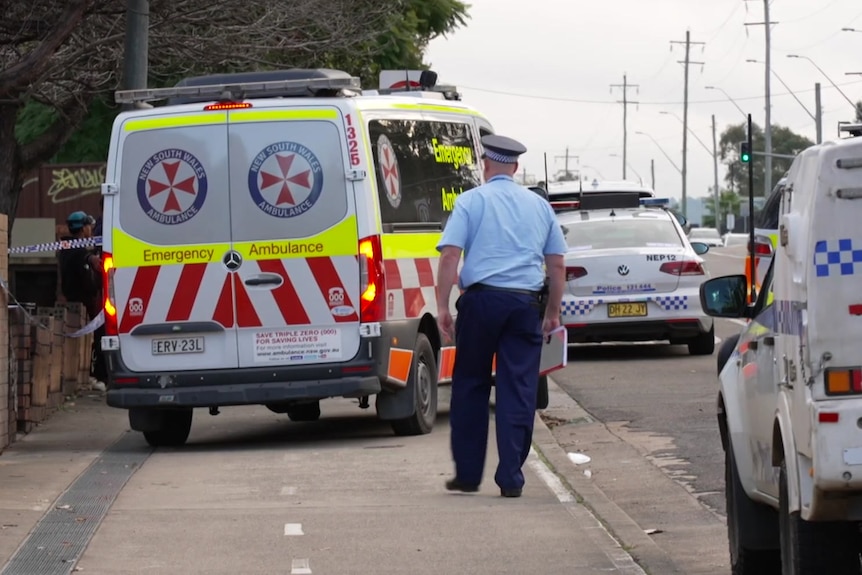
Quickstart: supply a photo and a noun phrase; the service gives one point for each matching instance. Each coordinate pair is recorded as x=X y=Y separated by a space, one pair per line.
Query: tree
x=61 y=59
x=784 y=141
x=728 y=203
x=859 y=111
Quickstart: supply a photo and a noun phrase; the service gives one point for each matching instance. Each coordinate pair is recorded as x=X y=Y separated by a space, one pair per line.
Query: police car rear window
x=622 y=233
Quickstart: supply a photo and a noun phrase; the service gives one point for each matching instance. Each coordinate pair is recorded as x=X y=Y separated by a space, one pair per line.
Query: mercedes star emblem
x=623 y=270
x=232 y=261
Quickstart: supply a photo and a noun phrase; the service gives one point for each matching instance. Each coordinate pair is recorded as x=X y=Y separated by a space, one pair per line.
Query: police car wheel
x=703 y=344
x=423 y=382
x=748 y=525
x=173 y=430
x=815 y=547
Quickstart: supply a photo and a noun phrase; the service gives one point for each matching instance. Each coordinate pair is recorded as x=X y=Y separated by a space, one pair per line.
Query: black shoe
x=511 y=492
x=455 y=485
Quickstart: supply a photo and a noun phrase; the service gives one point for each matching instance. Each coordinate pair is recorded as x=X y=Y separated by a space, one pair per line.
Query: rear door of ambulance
x=294 y=227
x=170 y=237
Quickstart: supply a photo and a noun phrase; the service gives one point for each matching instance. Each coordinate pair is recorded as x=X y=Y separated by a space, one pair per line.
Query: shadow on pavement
x=626 y=351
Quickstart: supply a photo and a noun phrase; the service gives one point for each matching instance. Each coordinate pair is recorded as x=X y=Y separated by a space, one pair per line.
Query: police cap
x=502 y=149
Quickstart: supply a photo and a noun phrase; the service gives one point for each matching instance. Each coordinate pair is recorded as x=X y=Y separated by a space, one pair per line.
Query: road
x=652 y=436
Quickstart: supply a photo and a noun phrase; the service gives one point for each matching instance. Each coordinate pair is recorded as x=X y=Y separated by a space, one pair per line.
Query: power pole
x=136 y=56
x=818 y=113
x=686 y=63
x=625 y=102
x=652 y=173
x=767 y=128
x=717 y=193
x=566 y=158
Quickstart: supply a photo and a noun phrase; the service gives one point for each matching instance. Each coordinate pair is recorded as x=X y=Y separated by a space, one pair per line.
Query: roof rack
x=854 y=129
x=232 y=87
x=438 y=92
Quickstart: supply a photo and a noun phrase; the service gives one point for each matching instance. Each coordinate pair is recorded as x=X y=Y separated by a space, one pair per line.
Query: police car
x=631 y=273
x=270 y=239
x=790 y=393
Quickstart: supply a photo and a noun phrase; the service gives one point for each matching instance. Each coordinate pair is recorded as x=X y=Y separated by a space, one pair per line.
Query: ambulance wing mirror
x=725 y=296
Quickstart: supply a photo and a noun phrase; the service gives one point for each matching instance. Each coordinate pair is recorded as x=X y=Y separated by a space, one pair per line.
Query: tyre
x=703 y=344
x=815 y=547
x=750 y=527
x=725 y=351
x=304 y=411
x=174 y=428
x=542 y=398
x=423 y=382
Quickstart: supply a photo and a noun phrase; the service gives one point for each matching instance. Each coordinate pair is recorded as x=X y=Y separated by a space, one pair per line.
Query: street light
x=819 y=69
x=732 y=101
x=593 y=169
x=660 y=149
x=813 y=117
x=851 y=30
x=630 y=167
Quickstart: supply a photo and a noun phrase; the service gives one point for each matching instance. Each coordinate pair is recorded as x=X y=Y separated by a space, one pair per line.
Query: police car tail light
x=111 y=327
x=684 y=268
x=762 y=247
x=565 y=206
x=371 y=284
x=575 y=272
x=227 y=106
x=843 y=381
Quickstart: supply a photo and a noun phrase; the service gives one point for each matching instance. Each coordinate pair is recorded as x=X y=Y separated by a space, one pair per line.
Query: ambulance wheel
x=751 y=527
x=304 y=412
x=423 y=382
x=703 y=344
x=173 y=430
x=542 y=397
x=814 y=546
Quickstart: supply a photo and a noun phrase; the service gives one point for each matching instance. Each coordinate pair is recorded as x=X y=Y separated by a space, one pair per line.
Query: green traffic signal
x=744 y=152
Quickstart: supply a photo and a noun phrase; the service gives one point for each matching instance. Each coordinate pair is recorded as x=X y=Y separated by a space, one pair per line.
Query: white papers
x=555 y=351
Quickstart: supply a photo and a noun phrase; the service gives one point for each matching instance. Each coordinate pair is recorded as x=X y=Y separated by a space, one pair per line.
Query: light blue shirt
x=505 y=231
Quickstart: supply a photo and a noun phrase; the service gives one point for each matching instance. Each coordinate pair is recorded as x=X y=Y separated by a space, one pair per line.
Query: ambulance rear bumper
x=240 y=386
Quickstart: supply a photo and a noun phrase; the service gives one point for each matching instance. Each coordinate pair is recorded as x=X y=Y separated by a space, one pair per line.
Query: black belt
x=485 y=287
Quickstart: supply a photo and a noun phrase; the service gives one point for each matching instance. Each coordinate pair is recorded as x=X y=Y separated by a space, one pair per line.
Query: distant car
x=632 y=275
x=708 y=236
x=731 y=240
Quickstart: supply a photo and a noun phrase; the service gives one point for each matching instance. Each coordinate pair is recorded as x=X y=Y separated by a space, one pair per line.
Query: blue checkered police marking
x=581 y=307
x=788 y=317
x=837 y=257
x=672 y=303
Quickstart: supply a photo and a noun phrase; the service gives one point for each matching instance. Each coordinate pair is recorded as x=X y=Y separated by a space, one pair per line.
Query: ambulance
x=270 y=239
x=790 y=393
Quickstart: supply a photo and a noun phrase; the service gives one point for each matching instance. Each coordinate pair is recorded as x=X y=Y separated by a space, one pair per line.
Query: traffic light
x=744 y=152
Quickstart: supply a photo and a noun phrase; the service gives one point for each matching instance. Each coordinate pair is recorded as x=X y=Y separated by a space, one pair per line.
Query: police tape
x=57 y=246
x=91 y=326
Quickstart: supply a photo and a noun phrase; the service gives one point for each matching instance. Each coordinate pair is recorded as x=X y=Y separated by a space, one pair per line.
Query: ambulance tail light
x=372 y=285
x=842 y=381
x=227 y=106
x=683 y=268
x=762 y=247
x=111 y=327
x=575 y=272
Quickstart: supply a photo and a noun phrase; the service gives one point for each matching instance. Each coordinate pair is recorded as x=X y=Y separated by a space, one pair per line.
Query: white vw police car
x=631 y=273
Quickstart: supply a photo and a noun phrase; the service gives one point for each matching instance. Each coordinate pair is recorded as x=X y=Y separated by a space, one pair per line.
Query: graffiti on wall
x=70 y=183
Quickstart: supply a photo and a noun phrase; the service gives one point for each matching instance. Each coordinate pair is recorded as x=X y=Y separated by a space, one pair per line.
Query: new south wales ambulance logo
x=172 y=186
x=285 y=179
x=387 y=165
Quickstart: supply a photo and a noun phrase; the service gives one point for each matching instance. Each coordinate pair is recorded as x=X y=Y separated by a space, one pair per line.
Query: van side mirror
x=725 y=296
x=699 y=248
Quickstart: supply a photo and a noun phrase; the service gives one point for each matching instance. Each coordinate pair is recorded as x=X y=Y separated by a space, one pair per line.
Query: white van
x=790 y=397
x=270 y=238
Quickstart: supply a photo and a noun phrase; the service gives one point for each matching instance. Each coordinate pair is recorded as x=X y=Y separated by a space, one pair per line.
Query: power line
x=590 y=101
x=625 y=102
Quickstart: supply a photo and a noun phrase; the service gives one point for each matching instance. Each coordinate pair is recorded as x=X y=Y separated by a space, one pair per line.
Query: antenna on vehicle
x=547 y=183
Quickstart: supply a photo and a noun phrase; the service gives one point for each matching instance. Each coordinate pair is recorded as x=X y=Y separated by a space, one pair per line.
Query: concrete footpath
x=253 y=493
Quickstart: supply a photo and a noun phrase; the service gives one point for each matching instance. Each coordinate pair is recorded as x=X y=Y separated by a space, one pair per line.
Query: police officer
x=506 y=233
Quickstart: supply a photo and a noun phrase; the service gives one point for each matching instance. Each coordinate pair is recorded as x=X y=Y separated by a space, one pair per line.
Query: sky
x=541 y=71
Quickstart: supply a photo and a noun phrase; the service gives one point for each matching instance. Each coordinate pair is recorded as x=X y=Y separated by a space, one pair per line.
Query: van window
x=421 y=167
x=768 y=217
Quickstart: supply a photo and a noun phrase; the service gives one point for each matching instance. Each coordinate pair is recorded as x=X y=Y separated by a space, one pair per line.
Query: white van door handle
x=273 y=280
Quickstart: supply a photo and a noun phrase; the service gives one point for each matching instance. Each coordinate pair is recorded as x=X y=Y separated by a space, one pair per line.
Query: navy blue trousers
x=509 y=325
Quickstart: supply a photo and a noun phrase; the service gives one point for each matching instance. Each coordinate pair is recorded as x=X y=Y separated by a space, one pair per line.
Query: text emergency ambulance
x=270 y=238
x=790 y=399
